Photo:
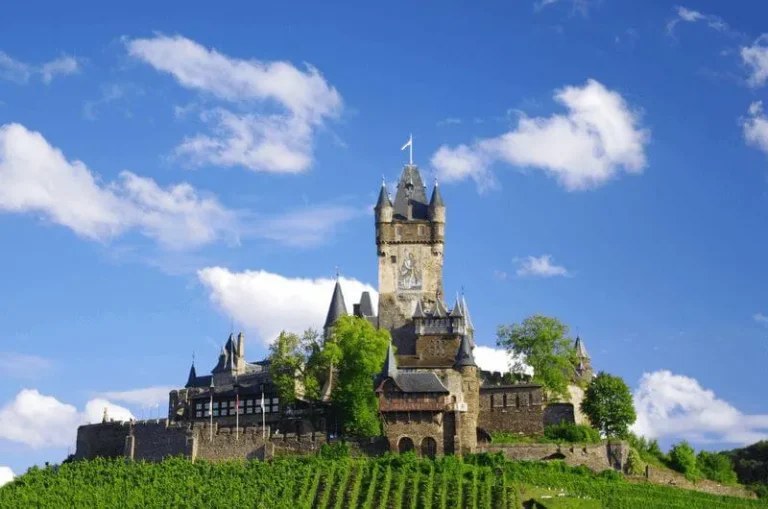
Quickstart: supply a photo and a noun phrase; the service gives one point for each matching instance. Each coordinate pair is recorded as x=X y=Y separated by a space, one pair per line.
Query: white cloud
x=291 y=104
x=755 y=127
x=37 y=420
x=499 y=360
x=20 y=365
x=304 y=227
x=760 y=318
x=37 y=178
x=541 y=266
x=683 y=14
x=448 y=121
x=61 y=66
x=6 y=475
x=599 y=137
x=148 y=397
x=670 y=405
x=755 y=57
x=21 y=72
x=266 y=303
x=581 y=6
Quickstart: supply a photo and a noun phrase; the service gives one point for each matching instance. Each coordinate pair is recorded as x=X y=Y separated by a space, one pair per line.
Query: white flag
x=408 y=144
x=262 y=402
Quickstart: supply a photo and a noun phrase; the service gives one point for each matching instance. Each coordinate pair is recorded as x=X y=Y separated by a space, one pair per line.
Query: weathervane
x=409 y=145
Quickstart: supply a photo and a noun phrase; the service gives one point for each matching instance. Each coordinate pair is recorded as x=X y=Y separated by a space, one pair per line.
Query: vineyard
x=479 y=482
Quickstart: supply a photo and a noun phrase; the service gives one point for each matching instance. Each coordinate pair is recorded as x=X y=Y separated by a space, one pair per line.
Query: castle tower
x=584 y=367
x=468 y=406
x=409 y=237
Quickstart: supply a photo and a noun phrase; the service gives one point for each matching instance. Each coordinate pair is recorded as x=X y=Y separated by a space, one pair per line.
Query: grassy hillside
x=391 y=482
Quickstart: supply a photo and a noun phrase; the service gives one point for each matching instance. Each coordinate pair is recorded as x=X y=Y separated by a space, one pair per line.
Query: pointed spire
x=464 y=355
x=389 y=370
x=581 y=350
x=366 y=306
x=419 y=311
x=383 y=200
x=465 y=310
x=440 y=310
x=192 y=376
x=410 y=191
x=437 y=198
x=457 y=312
x=338 y=308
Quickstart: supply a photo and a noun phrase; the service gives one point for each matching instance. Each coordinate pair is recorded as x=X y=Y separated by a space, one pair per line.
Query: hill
x=482 y=481
x=751 y=465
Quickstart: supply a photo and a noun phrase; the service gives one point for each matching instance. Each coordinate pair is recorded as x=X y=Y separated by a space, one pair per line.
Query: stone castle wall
x=512 y=409
x=556 y=413
x=597 y=457
x=106 y=440
x=155 y=440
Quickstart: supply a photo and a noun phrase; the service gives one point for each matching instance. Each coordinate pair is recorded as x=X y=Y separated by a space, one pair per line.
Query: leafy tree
x=635 y=464
x=682 y=458
x=608 y=404
x=541 y=342
x=572 y=433
x=297 y=362
x=356 y=350
x=716 y=466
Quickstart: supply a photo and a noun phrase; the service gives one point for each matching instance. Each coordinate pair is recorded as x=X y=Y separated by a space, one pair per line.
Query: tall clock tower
x=409 y=237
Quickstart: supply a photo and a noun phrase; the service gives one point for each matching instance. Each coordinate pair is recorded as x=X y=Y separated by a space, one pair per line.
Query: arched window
x=404 y=445
x=428 y=447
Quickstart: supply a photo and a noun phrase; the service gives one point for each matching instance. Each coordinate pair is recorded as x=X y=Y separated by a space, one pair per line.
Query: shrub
x=717 y=467
x=635 y=464
x=334 y=451
x=682 y=458
x=573 y=433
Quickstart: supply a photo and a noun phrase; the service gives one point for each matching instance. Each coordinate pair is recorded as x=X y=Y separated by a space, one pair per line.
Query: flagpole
x=263 y=419
x=210 y=411
x=237 y=414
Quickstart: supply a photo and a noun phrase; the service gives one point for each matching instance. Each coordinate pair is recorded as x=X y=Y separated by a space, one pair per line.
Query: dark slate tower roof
x=192 y=378
x=464 y=355
x=383 y=200
x=338 y=308
x=581 y=350
x=437 y=198
x=366 y=306
x=410 y=189
x=389 y=370
x=457 y=311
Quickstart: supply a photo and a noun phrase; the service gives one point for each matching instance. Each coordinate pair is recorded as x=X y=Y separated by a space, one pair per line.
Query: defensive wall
x=597 y=457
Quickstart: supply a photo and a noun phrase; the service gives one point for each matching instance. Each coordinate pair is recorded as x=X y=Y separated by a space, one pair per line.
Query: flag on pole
x=409 y=146
x=263 y=419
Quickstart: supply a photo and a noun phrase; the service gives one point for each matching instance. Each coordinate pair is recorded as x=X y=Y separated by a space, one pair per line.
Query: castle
x=432 y=396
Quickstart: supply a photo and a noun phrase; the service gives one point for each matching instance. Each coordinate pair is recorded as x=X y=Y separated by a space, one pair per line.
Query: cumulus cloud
x=755 y=58
x=20 y=365
x=685 y=15
x=499 y=360
x=266 y=303
x=599 y=137
x=541 y=266
x=291 y=105
x=6 y=475
x=670 y=405
x=37 y=178
x=21 y=72
x=38 y=420
x=148 y=397
x=755 y=126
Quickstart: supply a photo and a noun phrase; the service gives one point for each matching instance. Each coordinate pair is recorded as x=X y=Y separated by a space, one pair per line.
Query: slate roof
x=383 y=200
x=464 y=355
x=437 y=198
x=338 y=308
x=420 y=382
x=200 y=381
x=366 y=306
x=581 y=350
x=411 y=188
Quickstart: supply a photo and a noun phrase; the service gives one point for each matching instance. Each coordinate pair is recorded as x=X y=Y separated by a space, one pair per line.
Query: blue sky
x=167 y=170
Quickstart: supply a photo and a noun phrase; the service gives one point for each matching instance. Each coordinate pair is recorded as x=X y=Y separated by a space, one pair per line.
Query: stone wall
x=106 y=440
x=576 y=394
x=677 y=480
x=555 y=413
x=155 y=440
x=512 y=409
x=597 y=457
x=418 y=426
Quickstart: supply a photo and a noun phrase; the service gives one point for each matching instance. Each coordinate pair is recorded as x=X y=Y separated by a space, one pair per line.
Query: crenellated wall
x=105 y=440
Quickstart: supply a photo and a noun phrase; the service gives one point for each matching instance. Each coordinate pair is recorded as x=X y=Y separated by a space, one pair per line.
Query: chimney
x=241 y=348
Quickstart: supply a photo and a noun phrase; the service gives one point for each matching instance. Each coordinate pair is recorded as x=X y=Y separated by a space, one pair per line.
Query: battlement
x=448 y=325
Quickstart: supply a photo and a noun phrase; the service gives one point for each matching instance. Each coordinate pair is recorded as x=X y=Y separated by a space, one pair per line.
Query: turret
x=384 y=208
x=464 y=357
x=436 y=206
x=336 y=310
x=240 y=351
x=192 y=376
x=584 y=366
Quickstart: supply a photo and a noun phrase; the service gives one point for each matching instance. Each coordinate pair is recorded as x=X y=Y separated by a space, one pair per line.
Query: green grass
x=482 y=482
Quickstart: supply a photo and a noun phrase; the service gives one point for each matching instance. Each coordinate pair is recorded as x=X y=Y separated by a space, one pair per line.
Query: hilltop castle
x=432 y=396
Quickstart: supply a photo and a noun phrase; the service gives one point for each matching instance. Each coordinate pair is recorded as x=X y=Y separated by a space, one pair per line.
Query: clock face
x=409 y=274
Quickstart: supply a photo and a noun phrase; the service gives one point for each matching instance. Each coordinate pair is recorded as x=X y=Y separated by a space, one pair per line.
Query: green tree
x=297 y=365
x=682 y=458
x=716 y=466
x=608 y=404
x=356 y=350
x=541 y=342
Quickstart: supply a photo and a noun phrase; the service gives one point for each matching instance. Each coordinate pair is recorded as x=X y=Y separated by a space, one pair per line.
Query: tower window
x=421 y=229
x=393 y=259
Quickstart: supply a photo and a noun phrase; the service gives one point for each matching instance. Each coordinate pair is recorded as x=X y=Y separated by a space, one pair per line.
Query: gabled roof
x=410 y=188
x=581 y=350
x=464 y=355
x=338 y=308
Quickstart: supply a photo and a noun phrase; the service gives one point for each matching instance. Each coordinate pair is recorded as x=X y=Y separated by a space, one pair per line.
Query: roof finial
x=337 y=272
x=409 y=145
x=193 y=357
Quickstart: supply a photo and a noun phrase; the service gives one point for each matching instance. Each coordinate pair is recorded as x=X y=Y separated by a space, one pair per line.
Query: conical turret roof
x=437 y=198
x=192 y=376
x=338 y=308
x=389 y=370
x=464 y=355
x=383 y=200
x=581 y=350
